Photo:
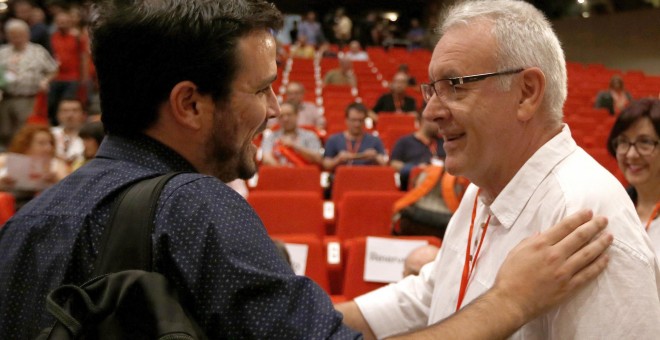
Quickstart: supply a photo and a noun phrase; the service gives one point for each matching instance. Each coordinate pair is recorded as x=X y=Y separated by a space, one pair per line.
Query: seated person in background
x=291 y=145
x=311 y=29
x=91 y=134
x=616 y=98
x=355 y=52
x=308 y=113
x=418 y=258
x=416 y=34
x=354 y=146
x=396 y=100
x=405 y=69
x=301 y=49
x=38 y=143
x=634 y=142
x=68 y=145
x=421 y=148
x=343 y=75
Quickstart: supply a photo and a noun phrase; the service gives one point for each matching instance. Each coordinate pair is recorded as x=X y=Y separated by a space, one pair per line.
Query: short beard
x=226 y=162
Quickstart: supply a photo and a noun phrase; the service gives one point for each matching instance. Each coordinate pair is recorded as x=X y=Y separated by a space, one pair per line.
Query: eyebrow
x=268 y=81
x=445 y=75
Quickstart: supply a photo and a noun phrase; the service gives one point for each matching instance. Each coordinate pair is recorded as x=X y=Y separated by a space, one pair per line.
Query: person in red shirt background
x=70 y=46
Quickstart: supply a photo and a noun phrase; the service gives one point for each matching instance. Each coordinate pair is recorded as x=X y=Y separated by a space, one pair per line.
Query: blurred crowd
x=49 y=107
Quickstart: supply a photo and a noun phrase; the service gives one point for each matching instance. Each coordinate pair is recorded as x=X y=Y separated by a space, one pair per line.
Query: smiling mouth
x=449 y=138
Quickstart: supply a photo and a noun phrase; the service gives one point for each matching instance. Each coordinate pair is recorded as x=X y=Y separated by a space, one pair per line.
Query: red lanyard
x=654 y=214
x=467 y=269
x=398 y=103
x=353 y=148
x=433 y=147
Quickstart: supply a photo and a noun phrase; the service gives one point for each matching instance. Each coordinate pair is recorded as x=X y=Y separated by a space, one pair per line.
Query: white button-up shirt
x=559 y=179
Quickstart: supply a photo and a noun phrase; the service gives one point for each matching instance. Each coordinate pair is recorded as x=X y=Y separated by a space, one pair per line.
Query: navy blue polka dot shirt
x=208 y=242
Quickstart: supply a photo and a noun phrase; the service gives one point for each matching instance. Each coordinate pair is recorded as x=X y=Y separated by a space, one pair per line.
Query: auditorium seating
x=393 y=120
x=289 y=212
x=7 y=207
x=316 y=268
x=366 y=213
x=274 y=178
x=362 y=178
x=354 y=252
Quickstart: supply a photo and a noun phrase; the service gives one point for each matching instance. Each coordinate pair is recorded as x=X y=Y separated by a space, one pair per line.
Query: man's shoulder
x=336 y=138
x=369 y=138
x=306 y=134
x=199 y=190
x=581 y=175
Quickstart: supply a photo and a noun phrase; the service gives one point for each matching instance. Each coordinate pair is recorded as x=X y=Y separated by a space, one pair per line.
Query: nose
x=436 y=110
x=273 y=110
x=632 y=152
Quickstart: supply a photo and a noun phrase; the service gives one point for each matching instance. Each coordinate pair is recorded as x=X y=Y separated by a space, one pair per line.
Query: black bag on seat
x=125 y=300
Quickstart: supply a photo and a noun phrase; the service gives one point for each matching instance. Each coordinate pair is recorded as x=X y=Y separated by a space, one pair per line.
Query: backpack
x=427 y=208
x=125 y=299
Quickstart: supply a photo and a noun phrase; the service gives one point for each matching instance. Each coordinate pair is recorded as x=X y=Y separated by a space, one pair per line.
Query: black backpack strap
x=126 y=241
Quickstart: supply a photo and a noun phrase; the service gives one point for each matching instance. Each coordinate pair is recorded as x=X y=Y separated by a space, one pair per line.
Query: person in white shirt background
x=71 y=116
x=498 y=85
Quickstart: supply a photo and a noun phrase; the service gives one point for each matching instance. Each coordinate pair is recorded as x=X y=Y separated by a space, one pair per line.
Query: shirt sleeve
x=379 y=146
x=399 y=307
x=312 y=141
x=267 y=145
x=619 y=304
x=398 y=151
x=48 y=64
x=217 y=253
x=332 y=147
x=379 y=104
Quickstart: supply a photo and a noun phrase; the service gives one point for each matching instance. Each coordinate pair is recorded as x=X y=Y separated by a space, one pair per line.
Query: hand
x=344 y=156
x=546 y=268
x=288 y=142
x=43 y=85
x=369 y=154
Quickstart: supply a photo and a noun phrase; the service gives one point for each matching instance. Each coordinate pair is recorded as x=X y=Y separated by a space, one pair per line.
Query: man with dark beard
x=186 y=86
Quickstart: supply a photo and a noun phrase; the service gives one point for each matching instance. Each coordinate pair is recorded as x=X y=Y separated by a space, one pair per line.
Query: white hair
x=524 y=38
x=16 y=24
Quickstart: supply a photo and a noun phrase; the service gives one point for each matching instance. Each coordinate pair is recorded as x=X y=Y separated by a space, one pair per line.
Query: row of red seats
x=361 y=202
x=344 y=280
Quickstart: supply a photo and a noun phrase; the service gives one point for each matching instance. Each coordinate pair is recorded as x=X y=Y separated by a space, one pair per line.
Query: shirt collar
x=144 y=151
x=509 y=204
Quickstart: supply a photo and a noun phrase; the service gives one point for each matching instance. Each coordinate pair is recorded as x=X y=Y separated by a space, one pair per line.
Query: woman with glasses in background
x=634 y=142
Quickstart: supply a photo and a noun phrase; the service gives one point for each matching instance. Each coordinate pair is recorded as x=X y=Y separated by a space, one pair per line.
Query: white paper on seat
x=298 y=256
x=384 y=258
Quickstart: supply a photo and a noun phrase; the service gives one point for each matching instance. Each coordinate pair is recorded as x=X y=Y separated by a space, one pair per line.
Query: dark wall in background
x=626 y=40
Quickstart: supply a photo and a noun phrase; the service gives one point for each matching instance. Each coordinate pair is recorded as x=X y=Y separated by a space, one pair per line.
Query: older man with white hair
x=498 y=84
x=28 y=68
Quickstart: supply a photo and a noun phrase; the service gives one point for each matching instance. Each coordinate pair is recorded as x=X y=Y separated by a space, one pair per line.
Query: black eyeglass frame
x=453 y=81
x=617 y=142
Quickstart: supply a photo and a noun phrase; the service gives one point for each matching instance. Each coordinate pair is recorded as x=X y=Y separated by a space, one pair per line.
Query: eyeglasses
x=644 y=145
x=446 y=88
